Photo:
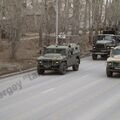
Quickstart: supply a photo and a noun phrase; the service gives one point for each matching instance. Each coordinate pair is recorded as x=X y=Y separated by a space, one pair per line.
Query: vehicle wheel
x=109 y=73
x=104 y=56
x=94 y=57
x=63 y=68
x=76 y=66
x=40 y=71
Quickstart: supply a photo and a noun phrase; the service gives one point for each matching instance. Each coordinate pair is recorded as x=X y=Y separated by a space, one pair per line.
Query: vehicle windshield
x=100 y=37
x=105 y=37
x=116 y=52
x=58 y=51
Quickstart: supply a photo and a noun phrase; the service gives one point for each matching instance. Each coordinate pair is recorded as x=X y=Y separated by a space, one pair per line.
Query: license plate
x=47 y=66
x=103 y=50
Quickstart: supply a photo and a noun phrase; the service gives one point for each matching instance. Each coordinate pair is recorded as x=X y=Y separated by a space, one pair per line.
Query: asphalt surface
x=84 y=95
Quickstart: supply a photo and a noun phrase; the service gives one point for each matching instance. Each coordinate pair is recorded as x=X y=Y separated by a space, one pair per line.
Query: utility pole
x=34 y=12
x=57 y=21
x=66 y=15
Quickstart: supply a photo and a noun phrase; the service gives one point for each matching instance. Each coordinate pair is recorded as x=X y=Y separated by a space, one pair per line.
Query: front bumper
x=114 y=70
x=49 y=66
x=100 y=52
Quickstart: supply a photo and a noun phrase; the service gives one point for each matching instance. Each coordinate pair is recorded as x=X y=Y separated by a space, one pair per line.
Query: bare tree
x=76 y=8
x=86 y=15
x=15 y=16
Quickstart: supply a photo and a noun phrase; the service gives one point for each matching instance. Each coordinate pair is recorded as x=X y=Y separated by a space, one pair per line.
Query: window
x=116 y=52
x=58 y=51
x=105 y=37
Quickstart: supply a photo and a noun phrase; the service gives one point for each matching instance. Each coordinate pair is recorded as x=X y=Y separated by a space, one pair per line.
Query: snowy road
x=84 y=95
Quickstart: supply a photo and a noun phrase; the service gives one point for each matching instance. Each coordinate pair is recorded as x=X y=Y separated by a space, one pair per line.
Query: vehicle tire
x=109 y=73
x=76 y=66
x=94 y=57
x=104 y=56
x=40 y=71
x=63 y=68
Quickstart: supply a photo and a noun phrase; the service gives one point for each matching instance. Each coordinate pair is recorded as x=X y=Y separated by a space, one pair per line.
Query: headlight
x=108 y=47
x=109 y=63
x=56 y=62
x=40 y=61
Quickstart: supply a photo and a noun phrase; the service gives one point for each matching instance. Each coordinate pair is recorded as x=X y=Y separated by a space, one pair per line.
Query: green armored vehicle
x=59 y=58
x=113 y=62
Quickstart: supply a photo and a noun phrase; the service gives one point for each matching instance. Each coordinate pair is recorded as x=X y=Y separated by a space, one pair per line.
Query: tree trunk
x=76 y=10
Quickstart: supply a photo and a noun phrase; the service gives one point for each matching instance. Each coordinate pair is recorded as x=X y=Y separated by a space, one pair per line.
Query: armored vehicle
x=113 y=62
x=59 y=58
x=102 y=45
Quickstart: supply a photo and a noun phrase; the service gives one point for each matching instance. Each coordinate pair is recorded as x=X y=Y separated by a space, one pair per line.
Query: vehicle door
x=70 y=57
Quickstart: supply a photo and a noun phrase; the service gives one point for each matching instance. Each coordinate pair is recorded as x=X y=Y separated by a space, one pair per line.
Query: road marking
x=49 y=90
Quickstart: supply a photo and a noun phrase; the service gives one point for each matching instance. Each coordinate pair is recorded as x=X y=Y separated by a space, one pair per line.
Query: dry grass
x=25 y=56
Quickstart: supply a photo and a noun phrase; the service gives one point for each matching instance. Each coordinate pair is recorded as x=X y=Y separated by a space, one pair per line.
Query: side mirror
x=76 y=48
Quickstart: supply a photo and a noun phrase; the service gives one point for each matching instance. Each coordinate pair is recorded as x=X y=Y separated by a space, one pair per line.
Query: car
x=102 y=45
x=113 y=62
x=59 y=58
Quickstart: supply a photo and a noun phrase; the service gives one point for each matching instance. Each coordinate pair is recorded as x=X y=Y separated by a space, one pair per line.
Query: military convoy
x=59 y=58
x=113 y=62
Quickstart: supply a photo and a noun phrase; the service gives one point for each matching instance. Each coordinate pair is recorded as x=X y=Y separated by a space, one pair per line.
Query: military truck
x=102 y=45
x=113 y=62
x=59 y=58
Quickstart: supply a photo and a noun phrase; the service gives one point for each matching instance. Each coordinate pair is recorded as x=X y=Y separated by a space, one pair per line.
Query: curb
x=17 y=73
